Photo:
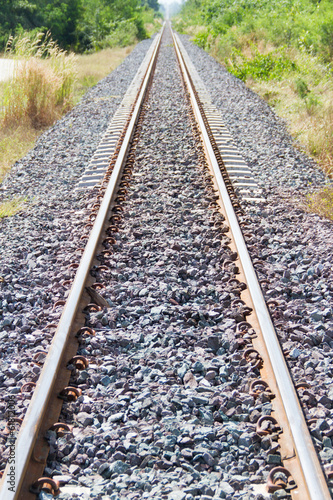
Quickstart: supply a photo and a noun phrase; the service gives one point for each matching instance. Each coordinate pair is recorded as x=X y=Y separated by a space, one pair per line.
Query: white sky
x=166 y=2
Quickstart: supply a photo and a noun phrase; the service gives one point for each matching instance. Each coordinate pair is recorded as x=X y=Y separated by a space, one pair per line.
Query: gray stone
x=245 y=439
x=295 y=353
x=213 y=342
x=43 y=495
x=181 y=371
x=209 y=459
x=116 y=417
x=198 y=367
x=119 y=467
x=74 y=469
x=177 y=495
x=206 y=416
x=224 y=490
x=326 y=455
x=224 y=372
x=316 y=315
x=105 y=470
x=200 y=400
x=274 y=459
x=84 y=419
x=106 y=380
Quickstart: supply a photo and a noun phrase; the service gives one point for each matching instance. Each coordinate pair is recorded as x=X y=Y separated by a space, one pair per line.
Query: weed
x=42 y=87
x=311 y=103
x=9 y=208
x=321 y=202
x=201 y=38
x=302 y=88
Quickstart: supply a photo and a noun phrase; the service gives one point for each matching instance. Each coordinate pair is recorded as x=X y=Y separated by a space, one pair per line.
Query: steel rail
x=314 y=482
x=32 y=422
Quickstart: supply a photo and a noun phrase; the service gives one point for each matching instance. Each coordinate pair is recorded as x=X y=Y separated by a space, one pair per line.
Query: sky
x=168 y=2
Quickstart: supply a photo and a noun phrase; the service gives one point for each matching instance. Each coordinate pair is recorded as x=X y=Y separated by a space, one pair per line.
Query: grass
x=9 y=208
x=321 y=202
x=42 y=87
x=305 y=103
x=304 y=100
x=14 y=144
x=17 y=136
x=91 y=68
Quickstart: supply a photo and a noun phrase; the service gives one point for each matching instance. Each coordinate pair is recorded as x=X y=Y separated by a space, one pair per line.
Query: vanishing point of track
x=301 y=472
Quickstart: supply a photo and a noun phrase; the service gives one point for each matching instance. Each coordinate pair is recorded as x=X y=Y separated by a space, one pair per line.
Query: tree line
x=76 y=24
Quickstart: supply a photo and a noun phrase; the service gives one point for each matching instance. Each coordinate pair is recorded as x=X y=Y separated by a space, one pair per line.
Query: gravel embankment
x=165 y=411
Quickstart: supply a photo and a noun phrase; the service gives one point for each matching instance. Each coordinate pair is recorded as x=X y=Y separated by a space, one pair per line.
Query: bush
x=201 y=38
x=302 y=88
x=272 y=66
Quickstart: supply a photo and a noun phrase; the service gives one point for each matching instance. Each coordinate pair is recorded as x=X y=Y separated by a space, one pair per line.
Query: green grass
x=9 y=208
x=283 y=50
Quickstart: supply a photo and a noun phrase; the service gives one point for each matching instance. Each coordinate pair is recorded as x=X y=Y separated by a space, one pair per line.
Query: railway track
x=255 y=358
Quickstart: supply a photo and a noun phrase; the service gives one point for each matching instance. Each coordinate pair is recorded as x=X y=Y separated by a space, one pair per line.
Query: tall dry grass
x=320 y=141
x=17 y=135
x=42 y=87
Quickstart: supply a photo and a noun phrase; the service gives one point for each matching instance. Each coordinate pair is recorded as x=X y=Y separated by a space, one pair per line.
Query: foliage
x=304 y=24
x=76 y=24
x=282 y=49
x=59 y=16
x=123 y=34
x=302 y=88
x=271 y=66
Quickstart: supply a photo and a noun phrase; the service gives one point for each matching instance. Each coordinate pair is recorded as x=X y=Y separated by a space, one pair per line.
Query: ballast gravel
x=166 y=410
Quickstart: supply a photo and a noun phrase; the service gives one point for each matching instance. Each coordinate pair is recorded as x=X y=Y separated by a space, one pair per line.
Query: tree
x=61 y=17
x=58 y=16
x=152 y=4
